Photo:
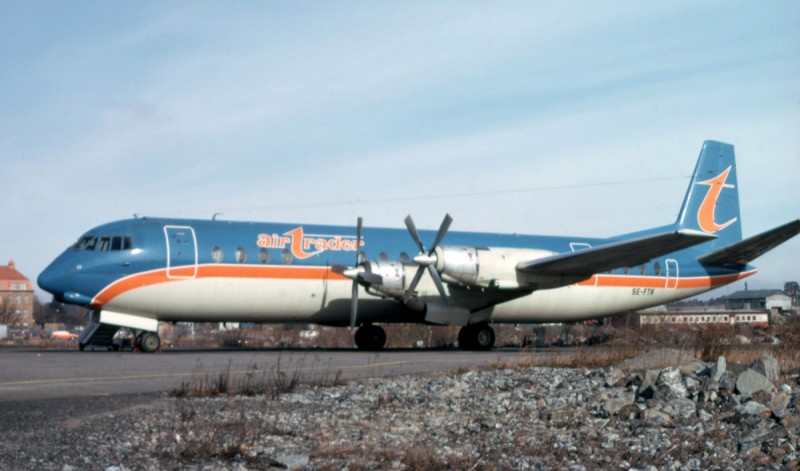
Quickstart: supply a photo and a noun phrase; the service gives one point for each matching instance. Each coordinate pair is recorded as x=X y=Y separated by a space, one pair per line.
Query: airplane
x=135 y=273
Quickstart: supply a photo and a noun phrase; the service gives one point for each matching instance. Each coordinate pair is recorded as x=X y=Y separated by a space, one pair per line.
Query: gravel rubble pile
x=691 y=416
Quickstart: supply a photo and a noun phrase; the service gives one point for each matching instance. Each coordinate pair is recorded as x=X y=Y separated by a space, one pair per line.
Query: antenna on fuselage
x=214 y=216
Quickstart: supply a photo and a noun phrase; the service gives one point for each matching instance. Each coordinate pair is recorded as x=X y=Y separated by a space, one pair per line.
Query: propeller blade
x=437 y=280
x=338 y=269
x=412 y=229
x=358 y=239
x=442 y=231
x=414 y=283
x=354 y=293
x=354 y=305
x=370 y=278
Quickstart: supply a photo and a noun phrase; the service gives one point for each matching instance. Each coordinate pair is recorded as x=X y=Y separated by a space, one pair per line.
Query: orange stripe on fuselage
x=156 y=277
x=629 y=281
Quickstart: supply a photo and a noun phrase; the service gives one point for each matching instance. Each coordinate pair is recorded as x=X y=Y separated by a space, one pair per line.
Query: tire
x=149 y=342
x=370 y=338
x=479 y=337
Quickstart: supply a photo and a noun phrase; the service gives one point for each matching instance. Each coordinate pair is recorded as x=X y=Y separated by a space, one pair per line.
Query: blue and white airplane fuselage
x=138 y=272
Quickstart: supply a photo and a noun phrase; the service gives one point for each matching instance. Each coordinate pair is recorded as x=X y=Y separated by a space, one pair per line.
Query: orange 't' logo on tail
x=705 y=215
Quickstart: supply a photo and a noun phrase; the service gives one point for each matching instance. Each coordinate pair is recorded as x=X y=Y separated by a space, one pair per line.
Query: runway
x=45 y=374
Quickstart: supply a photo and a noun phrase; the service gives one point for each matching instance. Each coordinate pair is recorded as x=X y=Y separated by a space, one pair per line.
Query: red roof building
x=16 y=297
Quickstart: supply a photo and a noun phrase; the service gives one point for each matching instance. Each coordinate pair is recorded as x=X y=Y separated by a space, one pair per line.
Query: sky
x=548 y=117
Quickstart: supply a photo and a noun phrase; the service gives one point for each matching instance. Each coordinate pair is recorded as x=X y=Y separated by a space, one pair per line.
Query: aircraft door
x=672 y=273
x=181 y=252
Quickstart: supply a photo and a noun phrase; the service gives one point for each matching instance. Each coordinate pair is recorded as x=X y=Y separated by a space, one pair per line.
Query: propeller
x=427 y=258
x=356 y=273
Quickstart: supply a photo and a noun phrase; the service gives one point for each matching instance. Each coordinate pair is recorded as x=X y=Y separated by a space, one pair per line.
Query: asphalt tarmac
x=49 y=374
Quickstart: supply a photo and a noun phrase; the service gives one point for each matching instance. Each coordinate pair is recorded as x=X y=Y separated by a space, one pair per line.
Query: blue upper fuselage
x=115 y=250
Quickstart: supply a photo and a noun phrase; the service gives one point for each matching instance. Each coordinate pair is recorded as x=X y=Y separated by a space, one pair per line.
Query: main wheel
x=476 y=337
x=370 y=337
x=149 y=342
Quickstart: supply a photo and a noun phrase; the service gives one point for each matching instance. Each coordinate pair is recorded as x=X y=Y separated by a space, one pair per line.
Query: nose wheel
x=148 y=342
x=370 y=337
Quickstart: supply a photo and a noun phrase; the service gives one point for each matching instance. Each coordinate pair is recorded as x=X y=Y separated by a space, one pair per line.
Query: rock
x=752 y=408
x=679 y=408
x=727 y=381
x=669 y=385
x=751 y=381
x=656 y=417
x=614 y=377
x=616 y=399
x=705 y=415
x=791 y=421
x=294 y=461
x=767 y=366
x=779 y=404
x=718 y=369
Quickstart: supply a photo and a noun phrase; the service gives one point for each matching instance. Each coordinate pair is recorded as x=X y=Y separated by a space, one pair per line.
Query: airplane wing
x=625 y=253
x=747 y=250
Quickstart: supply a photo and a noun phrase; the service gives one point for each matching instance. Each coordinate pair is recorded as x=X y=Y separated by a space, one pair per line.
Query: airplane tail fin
x=711 y=204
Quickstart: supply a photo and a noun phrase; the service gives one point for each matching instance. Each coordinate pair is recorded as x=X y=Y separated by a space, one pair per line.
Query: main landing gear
x=476 y=337
x=370 y=337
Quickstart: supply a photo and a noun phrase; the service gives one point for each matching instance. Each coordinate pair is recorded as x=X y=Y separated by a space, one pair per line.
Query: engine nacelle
x=387 y=277
x=490 y=267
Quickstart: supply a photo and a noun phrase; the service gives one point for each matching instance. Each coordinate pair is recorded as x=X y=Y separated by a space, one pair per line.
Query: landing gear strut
x=370 y=337
x=148 y=342
x=476 y=337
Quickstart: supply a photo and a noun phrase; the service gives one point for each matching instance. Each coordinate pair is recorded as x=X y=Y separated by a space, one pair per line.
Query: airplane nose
x=51 y=280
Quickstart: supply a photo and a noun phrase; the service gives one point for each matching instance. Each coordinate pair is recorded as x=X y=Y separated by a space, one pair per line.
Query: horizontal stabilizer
x=745 y=251
x=625 y=253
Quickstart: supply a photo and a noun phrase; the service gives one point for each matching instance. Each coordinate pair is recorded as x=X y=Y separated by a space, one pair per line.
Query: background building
x=16 y=297
x=759 y=299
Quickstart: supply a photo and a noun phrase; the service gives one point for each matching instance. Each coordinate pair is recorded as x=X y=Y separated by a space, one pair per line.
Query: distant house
x=759 y=299
x=16 y=296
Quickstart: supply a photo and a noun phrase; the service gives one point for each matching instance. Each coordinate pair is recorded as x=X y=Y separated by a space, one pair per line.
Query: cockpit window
x=86 y=243
x=103 y=243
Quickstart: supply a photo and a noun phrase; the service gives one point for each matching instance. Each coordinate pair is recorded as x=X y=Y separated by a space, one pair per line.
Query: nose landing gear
x=148 y=342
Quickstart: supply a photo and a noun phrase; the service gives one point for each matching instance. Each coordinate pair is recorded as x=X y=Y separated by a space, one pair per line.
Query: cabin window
x=241 y=254
x=642 y=269
x=404 y=258
x=383 y=256
x=217 y=254
x=286 y=256
x=362 y=256
x=263 y=255
x=626 y=270
x=657 y=268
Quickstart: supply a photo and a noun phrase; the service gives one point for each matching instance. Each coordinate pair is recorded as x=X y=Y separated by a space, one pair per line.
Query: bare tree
x=792 y=288
x=9 y=314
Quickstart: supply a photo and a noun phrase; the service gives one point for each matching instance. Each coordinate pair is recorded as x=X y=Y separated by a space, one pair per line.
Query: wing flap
x=625 y=253
x=747 y=250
